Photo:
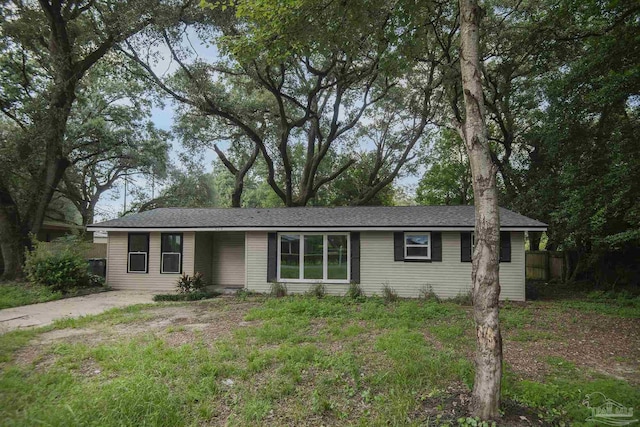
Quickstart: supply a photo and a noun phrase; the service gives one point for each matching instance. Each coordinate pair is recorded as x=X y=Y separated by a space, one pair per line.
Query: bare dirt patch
x=453 y=404
x=608 y=345
x=178 y=325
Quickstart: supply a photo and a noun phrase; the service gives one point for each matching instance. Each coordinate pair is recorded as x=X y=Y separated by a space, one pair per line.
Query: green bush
x=189 y=284
x=278 y=290
x=389 y=294
x=427 y=293
x=188 y=296
x=96 y=281
x=60 y=266
x=354 y=291
x=318 y=290
x=463 y=298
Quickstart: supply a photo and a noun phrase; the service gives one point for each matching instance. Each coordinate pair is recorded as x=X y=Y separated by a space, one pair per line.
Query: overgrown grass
x=297 y=360
x=14 y=294
x=560 y=397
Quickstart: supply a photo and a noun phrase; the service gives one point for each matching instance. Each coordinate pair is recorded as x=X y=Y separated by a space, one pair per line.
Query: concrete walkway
x=45 y=313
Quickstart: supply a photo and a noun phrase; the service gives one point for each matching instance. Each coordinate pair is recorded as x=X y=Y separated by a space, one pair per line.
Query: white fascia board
x=285 y=229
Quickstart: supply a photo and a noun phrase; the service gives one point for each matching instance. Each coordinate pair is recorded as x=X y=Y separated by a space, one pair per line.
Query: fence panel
x=556 y=266
x=537 y=265
x=545 y=265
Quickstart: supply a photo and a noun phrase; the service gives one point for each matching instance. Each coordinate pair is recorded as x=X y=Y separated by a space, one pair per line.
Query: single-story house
x=408 y=248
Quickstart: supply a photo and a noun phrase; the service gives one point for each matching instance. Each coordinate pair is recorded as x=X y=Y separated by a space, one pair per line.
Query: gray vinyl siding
x=377 y=268
x=118 y=278
x=204 y=255
x=228 y=267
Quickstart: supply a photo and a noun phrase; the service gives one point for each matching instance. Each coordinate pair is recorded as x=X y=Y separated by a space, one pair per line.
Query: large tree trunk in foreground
x=13 y=237
x=485 y=399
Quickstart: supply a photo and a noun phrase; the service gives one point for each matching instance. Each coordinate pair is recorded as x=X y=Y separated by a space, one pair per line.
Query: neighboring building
x=52 y=230
x=100 y=237
x=407 y=248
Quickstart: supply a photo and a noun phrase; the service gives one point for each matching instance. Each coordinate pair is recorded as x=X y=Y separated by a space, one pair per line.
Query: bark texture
x=485 y=400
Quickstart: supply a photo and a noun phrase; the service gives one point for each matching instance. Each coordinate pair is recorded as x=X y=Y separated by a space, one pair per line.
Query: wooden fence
x=545 y=265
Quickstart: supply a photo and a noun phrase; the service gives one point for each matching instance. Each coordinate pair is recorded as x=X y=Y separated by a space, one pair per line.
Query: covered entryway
x=220 y=257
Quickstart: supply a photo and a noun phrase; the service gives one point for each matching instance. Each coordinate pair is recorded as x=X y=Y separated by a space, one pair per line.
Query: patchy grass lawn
x=14 y=294
x=304 y=361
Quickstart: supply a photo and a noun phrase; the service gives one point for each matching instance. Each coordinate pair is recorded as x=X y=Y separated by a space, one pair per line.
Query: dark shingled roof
x=340 y=217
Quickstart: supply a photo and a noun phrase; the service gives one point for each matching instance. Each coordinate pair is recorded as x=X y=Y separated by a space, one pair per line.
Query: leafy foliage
x=60 y=267
x=317 y=290
x=278 y=290
x=190 y=284
x=389 y=294
x=188 y=296
x=447 y=180
x=355 y=291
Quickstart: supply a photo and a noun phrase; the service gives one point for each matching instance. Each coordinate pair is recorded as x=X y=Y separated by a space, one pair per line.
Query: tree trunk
x=12 y=235
x=485 y=399
x=236 y=196
x=534 y=240
x=12 y=257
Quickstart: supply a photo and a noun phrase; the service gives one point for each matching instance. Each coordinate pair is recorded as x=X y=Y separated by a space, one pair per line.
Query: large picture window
x=314 y=257
x=138 y=253
x=417 y=245
x=171 y=250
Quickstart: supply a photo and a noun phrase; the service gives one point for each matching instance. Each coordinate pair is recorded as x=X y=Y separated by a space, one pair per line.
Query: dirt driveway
x=45 y=313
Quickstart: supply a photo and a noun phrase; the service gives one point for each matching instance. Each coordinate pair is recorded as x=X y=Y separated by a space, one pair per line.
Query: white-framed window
x=171 y=253
x=138 y=253
x=314 y=257
x=417 y=245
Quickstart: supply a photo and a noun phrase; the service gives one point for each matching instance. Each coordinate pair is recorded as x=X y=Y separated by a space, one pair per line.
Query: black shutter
x=272 y=257
x=398 y=246
x=355 y=257
x=436 y=246
x=505 y=246
x=465 y=246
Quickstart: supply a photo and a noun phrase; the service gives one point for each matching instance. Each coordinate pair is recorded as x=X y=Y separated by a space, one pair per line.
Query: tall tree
x=447 y=180
x=110 y=136
x=272 y=94
x=47 y=49
x=485 y=398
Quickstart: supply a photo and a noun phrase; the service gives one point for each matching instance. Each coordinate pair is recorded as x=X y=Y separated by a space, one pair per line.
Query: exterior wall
x=228 y=268
x=118 y=278
x=377 y=268
x=204 y=255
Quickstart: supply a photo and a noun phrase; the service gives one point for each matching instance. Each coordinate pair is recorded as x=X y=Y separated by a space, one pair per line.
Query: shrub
x=318 y=290
x=463 y=298
x=60 y=266
x=245 y=293
x=355 y=291
x=186 y=296
x=278 y=290
x=188 y=284
x=96 y=281
x=388 y=294
x=427 y=294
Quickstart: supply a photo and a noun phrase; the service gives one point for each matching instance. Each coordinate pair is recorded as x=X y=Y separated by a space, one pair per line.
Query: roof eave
x=313 y=228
